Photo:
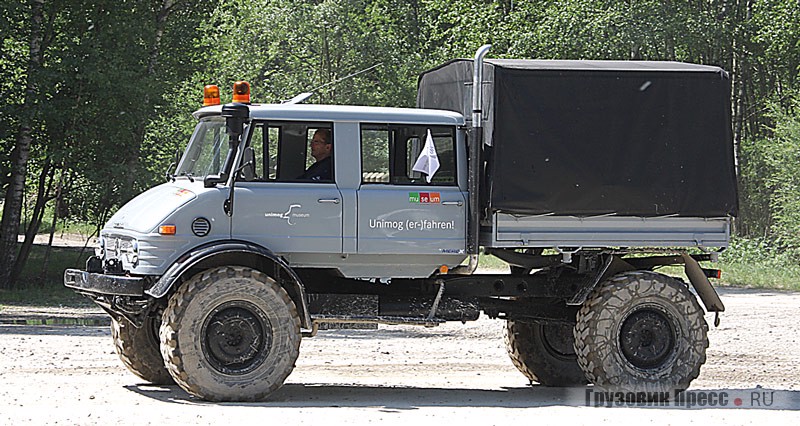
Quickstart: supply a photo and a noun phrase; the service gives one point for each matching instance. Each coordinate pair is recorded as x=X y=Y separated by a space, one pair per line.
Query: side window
x=263 y=147
x=257 y=142
x=291 y=152
x=413 y=150
x=271 y=155
x=390 y=152
x=375 y=154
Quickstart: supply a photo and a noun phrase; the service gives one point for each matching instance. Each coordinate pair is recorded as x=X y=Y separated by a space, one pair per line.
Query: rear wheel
x=641 y=332
x=138 y=348
x=544 y=352
x=230 y=334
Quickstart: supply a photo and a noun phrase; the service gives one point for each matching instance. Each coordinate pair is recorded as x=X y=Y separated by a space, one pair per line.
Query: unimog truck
x=586 y=177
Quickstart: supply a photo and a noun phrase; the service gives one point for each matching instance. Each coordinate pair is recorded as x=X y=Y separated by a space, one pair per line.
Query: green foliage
x=771 y=182
x=784 y=157
x=119 y=80
x=759 y=263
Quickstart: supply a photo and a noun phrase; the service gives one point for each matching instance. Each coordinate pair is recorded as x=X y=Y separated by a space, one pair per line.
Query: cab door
x=277 y=209
x=403 y=211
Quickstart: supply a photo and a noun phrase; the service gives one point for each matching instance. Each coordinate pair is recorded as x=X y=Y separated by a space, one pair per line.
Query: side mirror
x=212 y=180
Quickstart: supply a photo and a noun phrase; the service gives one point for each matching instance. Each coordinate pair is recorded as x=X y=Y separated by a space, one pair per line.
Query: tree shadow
x=41 y=327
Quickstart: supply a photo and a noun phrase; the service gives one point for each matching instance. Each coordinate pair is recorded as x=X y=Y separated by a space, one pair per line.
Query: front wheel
x=641 y=332
x=230 y=334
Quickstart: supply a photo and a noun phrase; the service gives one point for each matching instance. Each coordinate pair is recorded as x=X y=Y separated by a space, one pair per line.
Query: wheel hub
x=558 y=340
x=647 y=338
x=236 y=337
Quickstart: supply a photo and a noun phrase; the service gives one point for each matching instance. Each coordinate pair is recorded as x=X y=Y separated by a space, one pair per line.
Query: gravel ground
x=68 y=374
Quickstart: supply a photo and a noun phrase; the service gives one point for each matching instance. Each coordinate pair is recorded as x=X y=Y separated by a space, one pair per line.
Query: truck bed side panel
x=609 y=231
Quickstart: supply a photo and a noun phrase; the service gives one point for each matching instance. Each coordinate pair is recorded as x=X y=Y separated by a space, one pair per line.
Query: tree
x=97 y=94
x=12 y=205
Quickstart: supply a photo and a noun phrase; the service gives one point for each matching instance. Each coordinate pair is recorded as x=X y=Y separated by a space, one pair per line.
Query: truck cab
x=280 y=218
x=374 y=204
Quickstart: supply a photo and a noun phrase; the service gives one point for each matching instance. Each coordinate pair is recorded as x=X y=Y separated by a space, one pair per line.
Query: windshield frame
x=206 y=156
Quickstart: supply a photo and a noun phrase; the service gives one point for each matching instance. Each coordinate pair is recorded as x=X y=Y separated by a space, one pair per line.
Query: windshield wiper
x=188 y=175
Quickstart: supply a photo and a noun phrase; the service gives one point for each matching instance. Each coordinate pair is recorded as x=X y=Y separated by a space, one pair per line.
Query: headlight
x=100 y=250
x=123 y=248
x=131 y=250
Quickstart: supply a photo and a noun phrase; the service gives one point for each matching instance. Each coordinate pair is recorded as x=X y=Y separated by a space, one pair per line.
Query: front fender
x=240 y=253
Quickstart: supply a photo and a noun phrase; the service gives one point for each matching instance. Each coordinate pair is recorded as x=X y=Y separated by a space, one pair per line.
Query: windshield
x=207 y=150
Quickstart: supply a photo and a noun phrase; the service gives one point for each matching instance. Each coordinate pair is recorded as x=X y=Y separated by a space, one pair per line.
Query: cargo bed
x=598 y=153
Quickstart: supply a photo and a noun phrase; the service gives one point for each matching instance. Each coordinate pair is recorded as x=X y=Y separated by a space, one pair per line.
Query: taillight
x=713 y=273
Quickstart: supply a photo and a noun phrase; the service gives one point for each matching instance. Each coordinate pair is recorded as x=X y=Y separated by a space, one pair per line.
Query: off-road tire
x=230 y=334
x=641 y=332
x=138 y=348
x=544 y=353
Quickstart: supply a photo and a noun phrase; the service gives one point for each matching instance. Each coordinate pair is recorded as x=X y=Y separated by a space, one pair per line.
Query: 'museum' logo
x=289 y=214
x=424 y=197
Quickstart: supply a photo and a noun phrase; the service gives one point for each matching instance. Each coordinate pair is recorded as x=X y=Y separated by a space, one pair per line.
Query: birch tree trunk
x=12 y=207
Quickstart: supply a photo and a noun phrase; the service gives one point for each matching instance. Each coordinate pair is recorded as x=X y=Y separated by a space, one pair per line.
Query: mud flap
x=702 y=285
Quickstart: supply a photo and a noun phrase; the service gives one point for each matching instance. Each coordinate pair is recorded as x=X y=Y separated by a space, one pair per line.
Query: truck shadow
x=398 y=399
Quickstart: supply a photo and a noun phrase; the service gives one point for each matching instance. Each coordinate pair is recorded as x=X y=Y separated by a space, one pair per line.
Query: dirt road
x=458 y=373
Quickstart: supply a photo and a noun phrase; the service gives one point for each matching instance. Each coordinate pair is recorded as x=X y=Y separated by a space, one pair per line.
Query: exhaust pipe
x=475 y=146
x=477 y=86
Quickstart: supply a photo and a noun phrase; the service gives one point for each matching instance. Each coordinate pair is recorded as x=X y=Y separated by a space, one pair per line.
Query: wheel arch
x=235 y=253
x=614 y=265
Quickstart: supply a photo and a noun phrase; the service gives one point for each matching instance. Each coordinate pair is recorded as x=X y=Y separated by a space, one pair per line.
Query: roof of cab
x=353 y=113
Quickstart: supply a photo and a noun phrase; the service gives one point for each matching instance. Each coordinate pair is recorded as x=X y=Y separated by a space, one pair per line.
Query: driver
x=321 y=150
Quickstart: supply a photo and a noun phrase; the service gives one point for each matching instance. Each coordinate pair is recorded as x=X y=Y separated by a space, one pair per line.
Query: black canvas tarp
x=587 y=138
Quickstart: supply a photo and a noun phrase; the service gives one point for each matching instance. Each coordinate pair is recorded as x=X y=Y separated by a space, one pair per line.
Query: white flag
x=428 y=161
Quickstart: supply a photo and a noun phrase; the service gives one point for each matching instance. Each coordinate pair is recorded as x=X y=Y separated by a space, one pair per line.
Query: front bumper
x=117 y=285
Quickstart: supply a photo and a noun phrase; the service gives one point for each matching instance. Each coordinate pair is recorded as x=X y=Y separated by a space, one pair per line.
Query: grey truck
x=586 y=177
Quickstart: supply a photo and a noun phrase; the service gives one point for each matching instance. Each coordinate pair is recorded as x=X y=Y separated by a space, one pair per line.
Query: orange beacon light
x=210 y=95
x=241 y=92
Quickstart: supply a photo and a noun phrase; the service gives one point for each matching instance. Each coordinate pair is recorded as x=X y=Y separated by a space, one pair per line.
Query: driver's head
x=321 y=144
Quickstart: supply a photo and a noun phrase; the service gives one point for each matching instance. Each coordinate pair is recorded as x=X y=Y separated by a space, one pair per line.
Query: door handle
x=328 y=200
x=452 y=203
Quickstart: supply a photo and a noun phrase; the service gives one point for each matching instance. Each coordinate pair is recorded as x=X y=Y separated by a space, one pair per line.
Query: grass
x=491 y=262
x=46 y=288
x=767 y=276
x=52 y=296
x=756 y=263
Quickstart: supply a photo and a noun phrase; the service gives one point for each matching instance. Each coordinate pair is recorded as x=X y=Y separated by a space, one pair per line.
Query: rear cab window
x=389 y=153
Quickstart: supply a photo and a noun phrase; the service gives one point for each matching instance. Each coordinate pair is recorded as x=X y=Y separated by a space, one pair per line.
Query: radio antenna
x=305 y=95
